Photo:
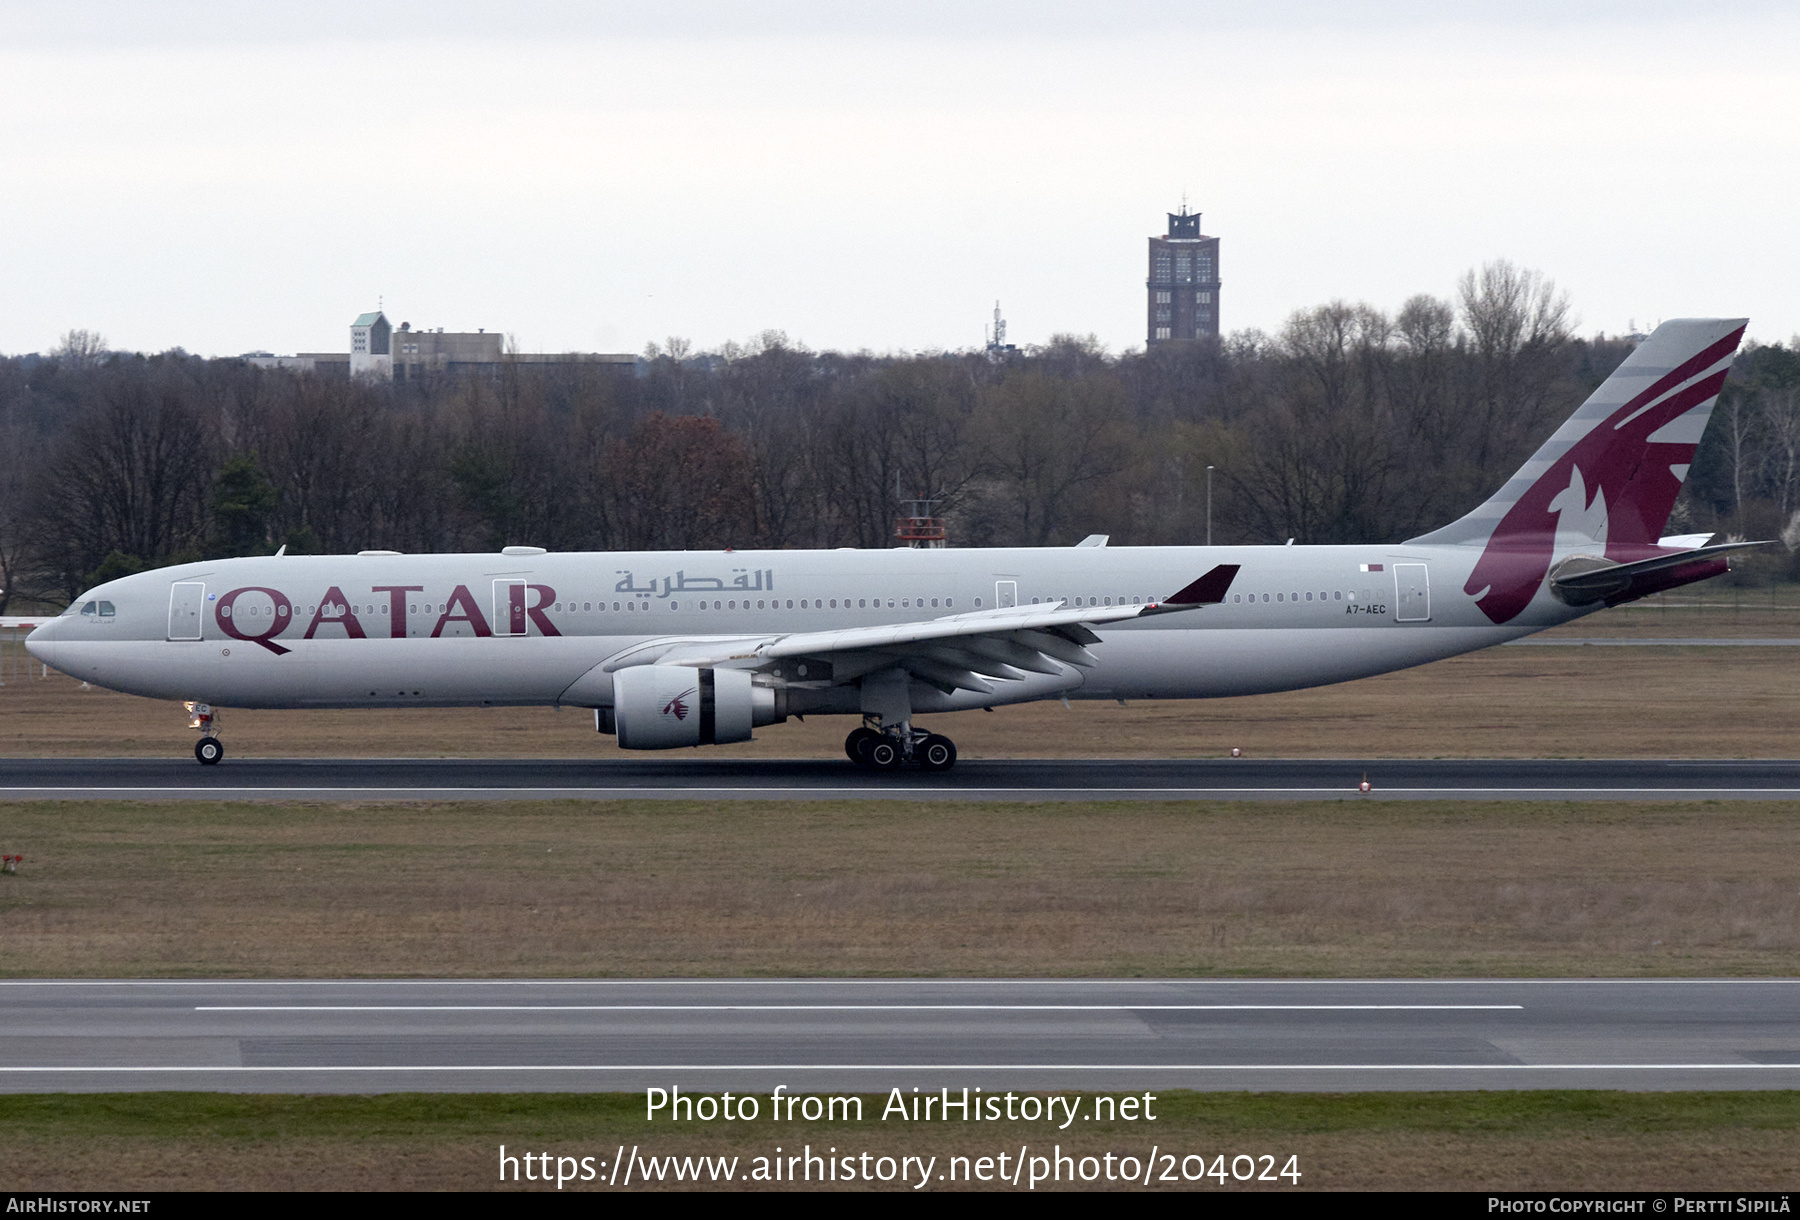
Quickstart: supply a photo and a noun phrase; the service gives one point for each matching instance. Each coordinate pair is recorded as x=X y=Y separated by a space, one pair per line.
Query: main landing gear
x=209 y=749
x=877 y=751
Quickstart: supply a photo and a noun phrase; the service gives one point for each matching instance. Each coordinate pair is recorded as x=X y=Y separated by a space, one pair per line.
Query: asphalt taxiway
x=689 y=778
x=867 y=1035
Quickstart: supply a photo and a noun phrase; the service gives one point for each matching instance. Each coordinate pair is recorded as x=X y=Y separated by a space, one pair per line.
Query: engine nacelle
x=660 y=707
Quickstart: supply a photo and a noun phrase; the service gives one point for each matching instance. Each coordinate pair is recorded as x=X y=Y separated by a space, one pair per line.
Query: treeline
x=1351 y=424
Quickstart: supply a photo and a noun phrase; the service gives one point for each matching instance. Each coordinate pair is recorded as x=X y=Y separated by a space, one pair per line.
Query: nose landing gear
x=209 y=749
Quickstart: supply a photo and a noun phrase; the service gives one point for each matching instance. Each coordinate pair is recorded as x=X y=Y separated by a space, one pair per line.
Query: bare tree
x=16 y=534
x=1518 y=324
x=1738 y=427
x=681 y=483
x=132 y=478
x=1780 y=411
x=1046 y=442
x=80 y=348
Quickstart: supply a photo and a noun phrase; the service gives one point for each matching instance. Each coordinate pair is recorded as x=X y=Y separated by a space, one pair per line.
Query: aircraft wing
x=959 y=650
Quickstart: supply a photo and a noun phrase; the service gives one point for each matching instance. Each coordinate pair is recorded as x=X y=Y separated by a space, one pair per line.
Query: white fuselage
x=386 y=630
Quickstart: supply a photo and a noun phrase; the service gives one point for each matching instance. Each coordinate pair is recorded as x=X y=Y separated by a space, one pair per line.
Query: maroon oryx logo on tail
x=1615 y=486
x=677 y=707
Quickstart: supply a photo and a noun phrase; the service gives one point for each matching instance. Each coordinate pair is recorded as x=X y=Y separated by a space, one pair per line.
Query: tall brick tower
x=1183 y=287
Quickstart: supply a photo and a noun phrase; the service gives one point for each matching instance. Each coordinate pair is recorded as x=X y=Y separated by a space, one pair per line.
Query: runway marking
x=936 y=1067
x=859 y=1008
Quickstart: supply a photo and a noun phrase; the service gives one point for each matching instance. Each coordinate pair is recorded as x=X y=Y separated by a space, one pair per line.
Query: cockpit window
x=87 y=611
x=106 y=610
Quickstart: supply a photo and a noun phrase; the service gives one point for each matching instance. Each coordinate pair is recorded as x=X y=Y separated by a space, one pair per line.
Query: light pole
x=1209 y=506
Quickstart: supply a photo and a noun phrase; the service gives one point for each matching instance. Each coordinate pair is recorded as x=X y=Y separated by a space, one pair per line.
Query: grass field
x=655 y=888
x=1384 y=1141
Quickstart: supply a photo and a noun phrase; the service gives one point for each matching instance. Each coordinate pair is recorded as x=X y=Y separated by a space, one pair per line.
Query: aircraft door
x=509 y=607
x=187 y=599
x=1006 y=594
x=1412 y=593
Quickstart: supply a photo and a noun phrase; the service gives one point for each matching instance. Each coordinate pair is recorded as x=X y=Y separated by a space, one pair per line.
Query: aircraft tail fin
x=1604 y=483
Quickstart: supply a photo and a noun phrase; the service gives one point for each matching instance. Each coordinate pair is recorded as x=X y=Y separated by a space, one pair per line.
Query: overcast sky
x=227 y=177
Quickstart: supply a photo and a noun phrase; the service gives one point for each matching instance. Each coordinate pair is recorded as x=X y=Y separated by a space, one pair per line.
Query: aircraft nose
x=41 y=643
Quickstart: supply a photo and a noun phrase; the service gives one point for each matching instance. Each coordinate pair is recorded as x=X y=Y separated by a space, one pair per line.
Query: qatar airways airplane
x=690 y=648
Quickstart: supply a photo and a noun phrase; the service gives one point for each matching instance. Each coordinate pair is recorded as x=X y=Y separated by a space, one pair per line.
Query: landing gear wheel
x=857 y=745
x=209 y=750
x=936 y=753
x=885 y=755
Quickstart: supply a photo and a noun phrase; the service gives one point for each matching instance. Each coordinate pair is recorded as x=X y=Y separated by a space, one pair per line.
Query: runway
x=875 y=1035
x=698 y=778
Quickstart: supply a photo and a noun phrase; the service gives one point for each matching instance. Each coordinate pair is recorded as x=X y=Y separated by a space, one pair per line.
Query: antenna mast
x=997 y=346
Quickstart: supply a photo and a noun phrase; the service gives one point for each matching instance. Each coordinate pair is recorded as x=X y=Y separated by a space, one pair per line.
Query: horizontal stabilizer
x=1582 y=580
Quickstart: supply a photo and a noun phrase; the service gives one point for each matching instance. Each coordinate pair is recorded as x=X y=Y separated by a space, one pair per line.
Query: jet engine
x=659 y=707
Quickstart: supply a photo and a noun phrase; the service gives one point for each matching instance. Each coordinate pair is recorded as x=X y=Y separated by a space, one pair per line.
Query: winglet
x=1209 y=590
